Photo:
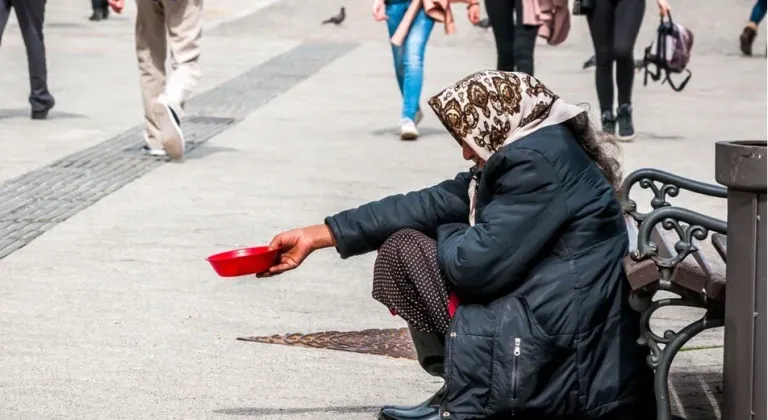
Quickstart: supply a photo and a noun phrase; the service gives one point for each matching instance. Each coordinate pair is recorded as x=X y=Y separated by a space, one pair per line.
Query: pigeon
x=337 y=19
x=592 y=62
x=485 y=23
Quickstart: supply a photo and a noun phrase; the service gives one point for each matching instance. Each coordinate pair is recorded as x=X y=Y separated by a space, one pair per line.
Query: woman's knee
x=623 y=52
x=400 y=239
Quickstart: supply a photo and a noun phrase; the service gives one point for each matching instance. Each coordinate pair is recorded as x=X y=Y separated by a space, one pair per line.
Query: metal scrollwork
x=696 y=226
x=670 y=187
x=650 y=339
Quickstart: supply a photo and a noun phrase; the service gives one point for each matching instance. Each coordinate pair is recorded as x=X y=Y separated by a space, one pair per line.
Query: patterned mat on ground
x=384 y=342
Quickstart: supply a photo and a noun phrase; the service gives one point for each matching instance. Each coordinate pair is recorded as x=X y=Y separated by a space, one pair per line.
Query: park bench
x=677 y=250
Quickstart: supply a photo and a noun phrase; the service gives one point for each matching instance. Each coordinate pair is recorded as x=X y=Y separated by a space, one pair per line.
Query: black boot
x=96 y=16
x=624 y=120
x=609 y=122
x=428 y=410
x=430 y=350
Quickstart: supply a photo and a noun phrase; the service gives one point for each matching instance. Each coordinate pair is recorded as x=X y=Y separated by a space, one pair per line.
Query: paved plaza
x=108 y=308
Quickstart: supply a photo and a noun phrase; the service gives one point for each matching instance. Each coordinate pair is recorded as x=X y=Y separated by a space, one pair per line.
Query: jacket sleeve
x=365 y=228
x=524 y=214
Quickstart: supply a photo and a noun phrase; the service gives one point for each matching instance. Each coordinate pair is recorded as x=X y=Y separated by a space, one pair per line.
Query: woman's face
x=469 y=154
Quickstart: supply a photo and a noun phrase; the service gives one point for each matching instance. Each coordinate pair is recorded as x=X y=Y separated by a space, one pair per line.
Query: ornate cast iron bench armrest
x=674 y=239
x=671 y=184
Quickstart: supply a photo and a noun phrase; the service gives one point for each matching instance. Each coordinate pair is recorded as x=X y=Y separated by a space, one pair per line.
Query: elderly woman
x=529 y=242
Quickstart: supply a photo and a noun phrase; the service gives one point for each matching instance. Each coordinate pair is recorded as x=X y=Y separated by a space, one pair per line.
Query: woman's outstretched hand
x=296 y=245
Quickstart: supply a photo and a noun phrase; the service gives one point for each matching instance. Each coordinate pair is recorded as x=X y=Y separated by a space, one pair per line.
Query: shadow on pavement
x=25 y=113
x=423 y=132
x=257 y=411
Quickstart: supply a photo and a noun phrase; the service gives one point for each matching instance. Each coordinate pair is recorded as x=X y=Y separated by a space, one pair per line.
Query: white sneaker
x=168 y=122
x=408 y=129
x=153 y=152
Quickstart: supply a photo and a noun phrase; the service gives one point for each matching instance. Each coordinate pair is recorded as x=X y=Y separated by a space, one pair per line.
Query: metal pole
x=741 y=166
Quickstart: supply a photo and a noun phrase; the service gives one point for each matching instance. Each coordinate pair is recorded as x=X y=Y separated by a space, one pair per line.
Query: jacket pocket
x=532 y=373
x=468 y=365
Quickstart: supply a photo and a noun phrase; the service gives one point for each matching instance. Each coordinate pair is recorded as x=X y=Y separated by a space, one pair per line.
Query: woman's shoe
x=428 y=410
x=624 y=121
x=408 y=129
x=747 y=38
x=96 y=16
x=609 y=122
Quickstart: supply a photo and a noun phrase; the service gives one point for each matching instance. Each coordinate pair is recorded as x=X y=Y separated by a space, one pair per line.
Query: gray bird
x=337 y=19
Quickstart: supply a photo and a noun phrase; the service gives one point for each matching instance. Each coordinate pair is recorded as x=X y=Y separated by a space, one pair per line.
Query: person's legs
x=758 y=12
x=31 y=14
x=628 y=19
x=395 y=13
x=501 y=14
x=151 y=55
x=749 y=33
x=184 y=22
x=5 y=13
x=407 y=280
x=601 y=21
x=413 y=63
x=524 y=41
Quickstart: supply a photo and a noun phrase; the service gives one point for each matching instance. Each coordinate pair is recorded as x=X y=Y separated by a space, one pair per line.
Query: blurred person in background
x=409 y=57
x=31 y=14
x=177 y=24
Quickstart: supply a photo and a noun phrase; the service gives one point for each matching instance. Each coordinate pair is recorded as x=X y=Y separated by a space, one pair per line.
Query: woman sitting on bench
x=510 y=275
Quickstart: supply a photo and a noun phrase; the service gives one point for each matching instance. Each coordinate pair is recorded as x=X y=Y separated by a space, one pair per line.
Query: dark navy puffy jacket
x=545 y=330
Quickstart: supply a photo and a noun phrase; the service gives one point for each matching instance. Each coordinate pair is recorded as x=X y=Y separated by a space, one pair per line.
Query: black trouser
x=614 y=25
x=30 y=15
x=99 y=4
x=514 y=41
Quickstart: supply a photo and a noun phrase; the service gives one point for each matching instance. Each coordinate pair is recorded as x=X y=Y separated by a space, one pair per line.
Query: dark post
x=741 y=166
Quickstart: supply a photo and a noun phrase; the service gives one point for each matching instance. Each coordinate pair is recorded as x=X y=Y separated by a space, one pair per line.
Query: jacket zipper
x=515 y=365
x=449 y=360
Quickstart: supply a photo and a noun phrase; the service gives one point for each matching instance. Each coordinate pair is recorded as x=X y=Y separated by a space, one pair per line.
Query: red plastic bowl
x=241 y=262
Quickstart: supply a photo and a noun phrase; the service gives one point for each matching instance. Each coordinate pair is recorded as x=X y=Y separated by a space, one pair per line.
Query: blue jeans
x=758 y=12
x=409 y=58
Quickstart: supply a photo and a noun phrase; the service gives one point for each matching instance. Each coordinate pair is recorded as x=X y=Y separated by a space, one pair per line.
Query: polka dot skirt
x=407 y=280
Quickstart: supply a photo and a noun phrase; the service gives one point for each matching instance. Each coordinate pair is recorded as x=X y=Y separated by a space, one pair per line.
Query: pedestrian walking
x=31 y=14
x=408 y=53
x=749 y=33
x=161 y=25
x=613 y=26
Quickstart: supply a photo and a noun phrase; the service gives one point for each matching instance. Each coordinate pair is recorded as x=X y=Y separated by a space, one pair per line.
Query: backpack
x=670 y=53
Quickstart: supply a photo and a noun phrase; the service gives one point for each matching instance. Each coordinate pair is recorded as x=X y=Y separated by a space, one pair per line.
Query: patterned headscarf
x=490 y=109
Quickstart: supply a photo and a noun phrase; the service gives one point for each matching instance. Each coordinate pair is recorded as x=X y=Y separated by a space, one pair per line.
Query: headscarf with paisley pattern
x=490 y=109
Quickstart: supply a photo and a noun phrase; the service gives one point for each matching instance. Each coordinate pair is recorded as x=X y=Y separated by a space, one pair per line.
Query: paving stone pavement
x=113 y=313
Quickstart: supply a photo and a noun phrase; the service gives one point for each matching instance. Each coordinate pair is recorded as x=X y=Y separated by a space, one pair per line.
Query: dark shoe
x=624 y=121
x=96 y=16
x=746 y=40
x=609 y=122
x=41 y=114
x=428 y=410
x=105 y=12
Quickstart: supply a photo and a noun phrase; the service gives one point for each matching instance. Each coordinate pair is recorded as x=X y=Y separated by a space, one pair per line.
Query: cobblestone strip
x=35 y=202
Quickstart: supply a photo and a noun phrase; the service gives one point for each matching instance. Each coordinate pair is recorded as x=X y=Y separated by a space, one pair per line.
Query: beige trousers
x=161 y=25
